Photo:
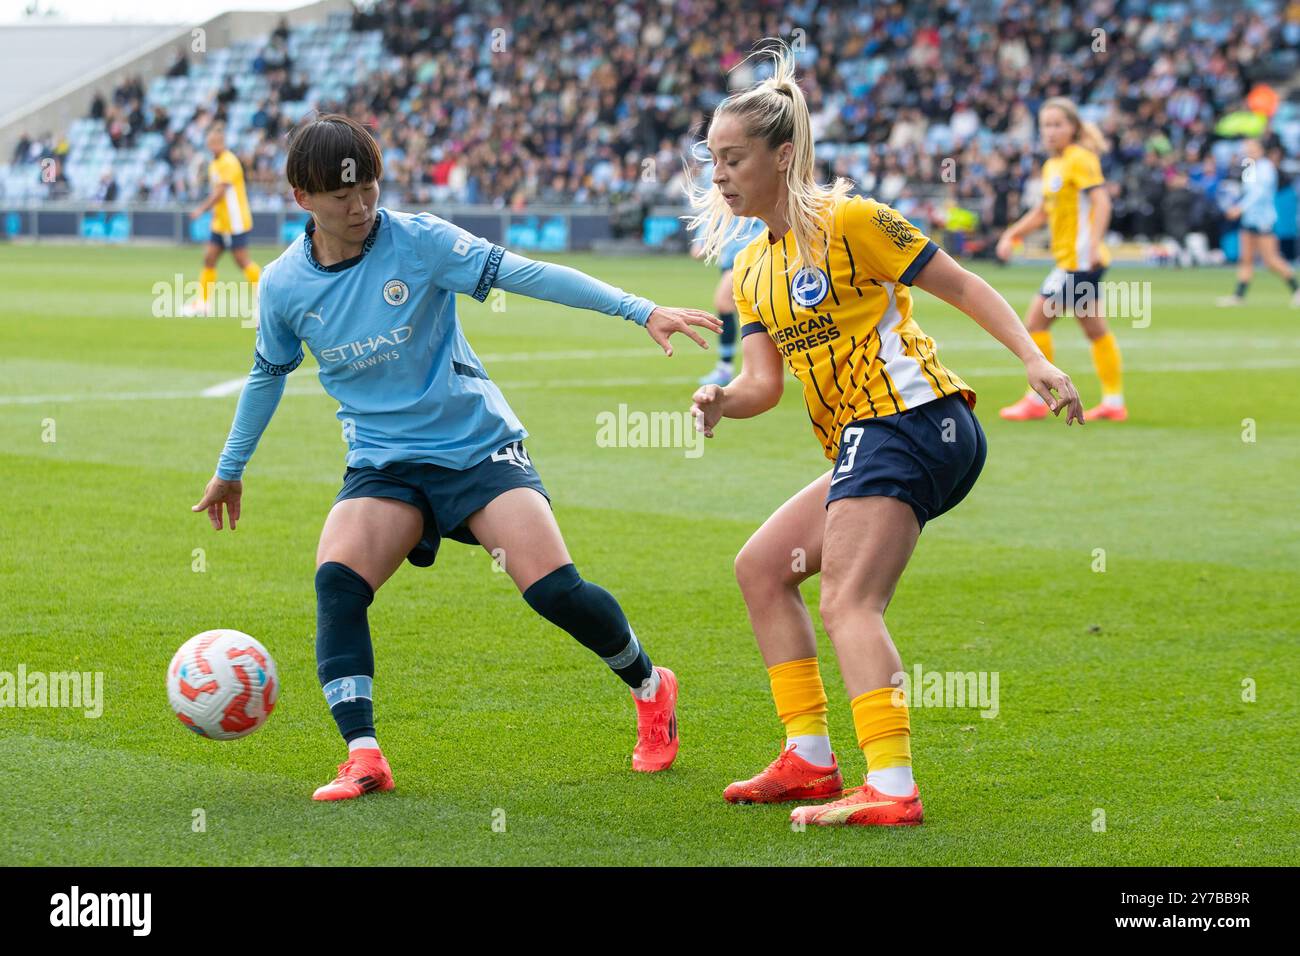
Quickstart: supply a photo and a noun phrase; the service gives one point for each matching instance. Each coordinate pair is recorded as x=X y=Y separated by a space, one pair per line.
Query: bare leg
x=868 y=544
x=781 y=554
x=1268 y=251
x=1038 y=321
x=371 y=536
x=519 y=530
x=1093 y=317
x=211 y=253
x=723 y=298
x=1246 y=260
x=1037 y=318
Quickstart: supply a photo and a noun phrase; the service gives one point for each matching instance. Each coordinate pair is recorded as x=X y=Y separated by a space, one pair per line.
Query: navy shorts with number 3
x=446 y=497
x=928 y=456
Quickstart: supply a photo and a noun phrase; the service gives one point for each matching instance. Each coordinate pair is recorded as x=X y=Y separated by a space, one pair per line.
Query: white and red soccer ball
x=222 y=684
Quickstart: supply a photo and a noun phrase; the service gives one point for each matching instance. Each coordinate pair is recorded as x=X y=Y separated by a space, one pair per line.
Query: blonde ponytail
x=1090 y=138
x=1086 y=134
x=775 y=111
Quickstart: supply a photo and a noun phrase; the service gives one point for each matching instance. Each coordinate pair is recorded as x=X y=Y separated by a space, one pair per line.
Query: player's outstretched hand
x=707 y=408
x=1055 y=388
x=665 y=321
x=1004 y=247
x=219 y=492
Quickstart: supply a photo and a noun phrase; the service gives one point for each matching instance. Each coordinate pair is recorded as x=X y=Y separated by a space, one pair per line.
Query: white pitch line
x=223 y=389
x=645 y=350
x=232 y=386
x=96 y=397
x=208 y=392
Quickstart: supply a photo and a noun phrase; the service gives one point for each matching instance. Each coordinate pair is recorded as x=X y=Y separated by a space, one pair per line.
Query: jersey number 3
x=849 y=441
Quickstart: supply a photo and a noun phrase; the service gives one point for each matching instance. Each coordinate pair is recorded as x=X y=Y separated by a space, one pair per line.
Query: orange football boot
x=788 y=777
x=1115 y=413
x=656 y=726
x=864 y=806
x=364 y=771
x=1027 y=409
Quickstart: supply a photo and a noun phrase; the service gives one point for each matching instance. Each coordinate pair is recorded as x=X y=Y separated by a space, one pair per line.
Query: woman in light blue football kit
x=1258 y=216
x=434 y=451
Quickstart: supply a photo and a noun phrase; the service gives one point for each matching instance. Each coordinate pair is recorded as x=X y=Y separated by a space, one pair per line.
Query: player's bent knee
x=334 y=577
x=758 y=575
x=556 y=595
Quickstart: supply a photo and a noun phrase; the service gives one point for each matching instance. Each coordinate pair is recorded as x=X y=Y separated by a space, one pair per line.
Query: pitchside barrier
x=538 y=228
x=606 y=229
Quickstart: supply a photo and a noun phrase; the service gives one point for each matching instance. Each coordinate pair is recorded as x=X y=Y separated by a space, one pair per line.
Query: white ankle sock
x=358 y=743
x=1116 y=401
x=649 y=687
x=815 y=748
x=893 y=781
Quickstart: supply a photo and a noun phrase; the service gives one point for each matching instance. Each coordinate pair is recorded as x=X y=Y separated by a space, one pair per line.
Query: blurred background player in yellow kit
x=232 y=222
x=1076 y=208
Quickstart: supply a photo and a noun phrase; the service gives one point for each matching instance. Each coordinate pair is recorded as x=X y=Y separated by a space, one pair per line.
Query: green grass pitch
x=1120 y=690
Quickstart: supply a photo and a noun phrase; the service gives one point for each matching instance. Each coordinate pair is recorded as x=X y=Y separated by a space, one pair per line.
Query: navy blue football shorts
x=226 y=240
x=928 y=456
x=446 y=497
x=1068 y=290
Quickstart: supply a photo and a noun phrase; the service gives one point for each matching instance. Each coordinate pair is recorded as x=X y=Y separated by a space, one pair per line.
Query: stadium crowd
x=929 y=106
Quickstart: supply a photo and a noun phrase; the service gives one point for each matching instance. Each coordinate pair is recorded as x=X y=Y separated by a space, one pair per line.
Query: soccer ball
x=222 y=684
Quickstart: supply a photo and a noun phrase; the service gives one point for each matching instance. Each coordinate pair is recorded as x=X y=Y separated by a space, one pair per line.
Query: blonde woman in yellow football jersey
x=826 y=287
x=232 y=222
x=1076 y=208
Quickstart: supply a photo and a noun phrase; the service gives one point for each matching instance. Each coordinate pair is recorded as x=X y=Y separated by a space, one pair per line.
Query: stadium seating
x=600 y=93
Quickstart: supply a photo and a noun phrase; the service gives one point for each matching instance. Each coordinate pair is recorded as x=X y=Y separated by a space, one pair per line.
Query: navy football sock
x=345 y=659
x=727 y=340
x=591 y=615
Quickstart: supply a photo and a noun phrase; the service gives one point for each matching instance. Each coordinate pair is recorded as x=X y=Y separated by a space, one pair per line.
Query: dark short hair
x=319 y=151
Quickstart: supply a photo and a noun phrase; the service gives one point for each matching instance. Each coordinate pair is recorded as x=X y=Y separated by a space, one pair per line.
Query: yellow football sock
x=206 y=280
x=800 y=697
x=252 y=273
x=1105 y=356
x=1043 y=340
x=884 y=730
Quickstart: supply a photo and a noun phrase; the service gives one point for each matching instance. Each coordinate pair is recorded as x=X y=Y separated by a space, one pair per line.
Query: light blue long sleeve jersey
x=383 y=329
x=1258 y=196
